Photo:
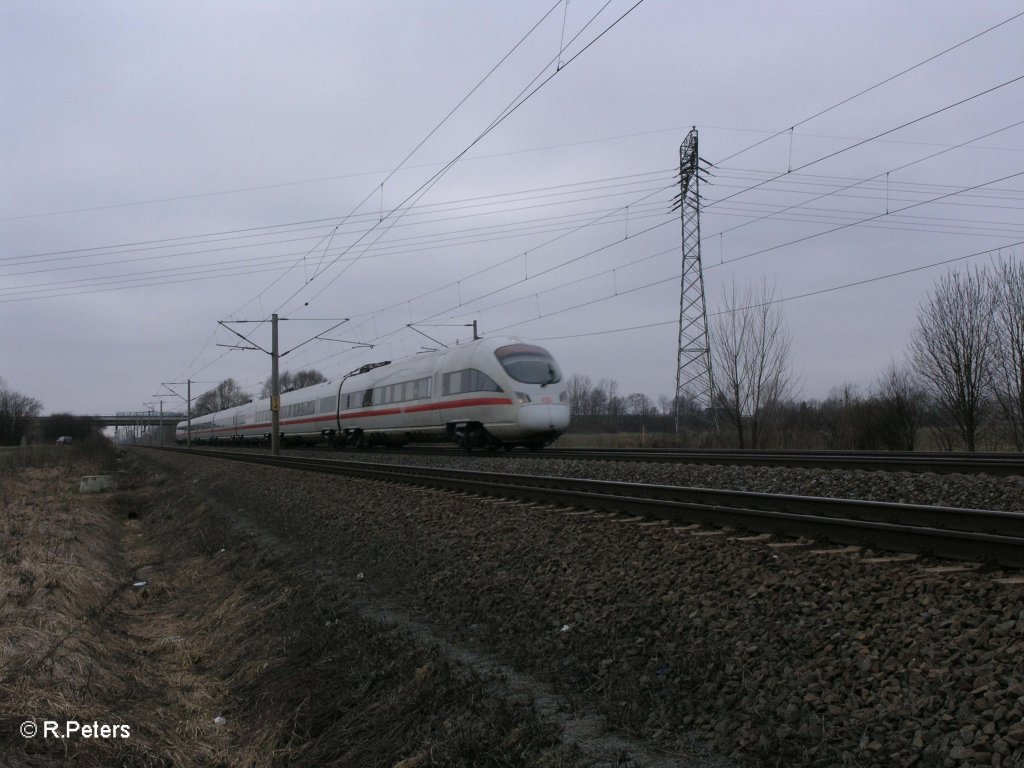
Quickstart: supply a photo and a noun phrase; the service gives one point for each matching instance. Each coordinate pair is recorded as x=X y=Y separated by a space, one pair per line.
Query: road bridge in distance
x=124 y=418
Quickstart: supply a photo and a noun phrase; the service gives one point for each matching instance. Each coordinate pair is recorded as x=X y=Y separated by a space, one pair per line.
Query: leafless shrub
x=900 y=405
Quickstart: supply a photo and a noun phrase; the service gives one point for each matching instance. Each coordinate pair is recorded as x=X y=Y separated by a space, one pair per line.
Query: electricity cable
x=889 y=79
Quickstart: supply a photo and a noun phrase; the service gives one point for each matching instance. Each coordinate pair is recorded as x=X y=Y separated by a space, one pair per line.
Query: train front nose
x=543 y=417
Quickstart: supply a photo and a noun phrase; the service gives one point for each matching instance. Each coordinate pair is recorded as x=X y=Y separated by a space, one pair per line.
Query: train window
x=328 y=404
x=481 y=382
x=401 y=392
x=452 y=383
x=528 y=364
x=468 y=380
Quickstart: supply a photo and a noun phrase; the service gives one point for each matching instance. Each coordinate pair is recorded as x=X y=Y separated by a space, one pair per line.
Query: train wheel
x=462 y=438
x=479 y=438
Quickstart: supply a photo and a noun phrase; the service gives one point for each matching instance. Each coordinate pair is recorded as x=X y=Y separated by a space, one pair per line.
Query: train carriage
x=485 y=393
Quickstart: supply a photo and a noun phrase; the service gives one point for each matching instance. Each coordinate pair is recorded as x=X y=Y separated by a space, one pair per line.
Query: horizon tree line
x=962 y=374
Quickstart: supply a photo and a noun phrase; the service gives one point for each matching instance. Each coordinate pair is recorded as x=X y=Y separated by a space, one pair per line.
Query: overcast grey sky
x=168 y=165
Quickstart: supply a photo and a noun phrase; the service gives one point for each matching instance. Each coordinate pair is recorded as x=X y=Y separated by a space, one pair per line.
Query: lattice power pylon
x=694 y=379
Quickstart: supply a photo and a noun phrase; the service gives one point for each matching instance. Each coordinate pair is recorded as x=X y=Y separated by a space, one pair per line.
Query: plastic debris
x=565 y=628
x=96 y=484
x=360 y=576
x=220 y=720
x=140 y=583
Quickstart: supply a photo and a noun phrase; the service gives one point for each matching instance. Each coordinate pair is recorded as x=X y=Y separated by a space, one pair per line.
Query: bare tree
x=288 y=381
x=597 y=401
x=227 y=394
x=751 y=358
x=579 y=387
x=639 y=404
x=16 y=410
x=1008 y=368
x=952 y=349
x=666 y=405
x=614 y=405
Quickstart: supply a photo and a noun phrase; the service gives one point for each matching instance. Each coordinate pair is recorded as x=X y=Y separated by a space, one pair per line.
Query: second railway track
x=964 y=534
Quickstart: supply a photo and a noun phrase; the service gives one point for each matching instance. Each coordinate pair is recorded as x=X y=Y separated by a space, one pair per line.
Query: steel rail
x=949 y=532
x=880 y=461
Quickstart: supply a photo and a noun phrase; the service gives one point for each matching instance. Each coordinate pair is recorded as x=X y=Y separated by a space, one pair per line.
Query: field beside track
x=143 y=630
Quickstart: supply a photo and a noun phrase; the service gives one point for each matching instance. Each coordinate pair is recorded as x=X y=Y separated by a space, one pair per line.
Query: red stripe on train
x=439 y=406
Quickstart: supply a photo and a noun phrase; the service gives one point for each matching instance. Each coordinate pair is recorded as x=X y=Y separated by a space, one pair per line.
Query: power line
x=419 y=243
x=884 y=173
x=169 y=254
x=783 y=300
x=419 y=191
x=862 y=221
x=889 y=79
x=517 y=102
x=677 y=276
x=830 y=155
x=425 y=209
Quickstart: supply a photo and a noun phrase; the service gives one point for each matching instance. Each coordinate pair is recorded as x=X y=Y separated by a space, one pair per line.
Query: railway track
x=883 y=461
x=949 y=532
x=1005 y=464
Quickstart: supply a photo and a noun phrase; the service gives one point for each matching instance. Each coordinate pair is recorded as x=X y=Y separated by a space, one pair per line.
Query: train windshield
x=529 y=364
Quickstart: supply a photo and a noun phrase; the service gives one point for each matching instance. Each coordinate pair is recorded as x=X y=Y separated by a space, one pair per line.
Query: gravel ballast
x=952 y=490
x=771 y=655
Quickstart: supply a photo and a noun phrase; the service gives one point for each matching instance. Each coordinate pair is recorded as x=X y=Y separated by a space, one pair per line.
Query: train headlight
x=522 y=398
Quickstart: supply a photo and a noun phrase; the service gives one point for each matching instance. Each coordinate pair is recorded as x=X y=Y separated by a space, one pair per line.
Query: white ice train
x=485 y=393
